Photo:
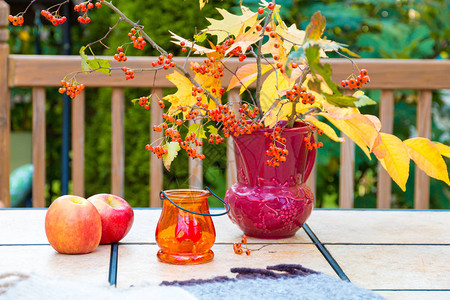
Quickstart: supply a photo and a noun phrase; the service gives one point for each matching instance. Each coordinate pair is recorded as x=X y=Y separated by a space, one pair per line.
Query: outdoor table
x=400 y=254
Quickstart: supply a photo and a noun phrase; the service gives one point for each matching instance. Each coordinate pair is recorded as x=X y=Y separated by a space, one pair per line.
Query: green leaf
x=84 y=58
x=198 y=130
x=341 y=100
x=363 y=100
x=102 y=65
x=200 y=37
x=313 y=57
x=316 y=27
x=134 y=100
x=172 y=152
x=213 y=130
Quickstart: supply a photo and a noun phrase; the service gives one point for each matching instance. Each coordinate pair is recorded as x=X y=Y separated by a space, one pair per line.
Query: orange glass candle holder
x=185 y=232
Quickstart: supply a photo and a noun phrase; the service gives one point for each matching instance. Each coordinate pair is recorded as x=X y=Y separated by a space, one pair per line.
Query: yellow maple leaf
x=396 y=159
x=292 y=37
x=245 y=75
x=269 y=46
x=245 y=39
x=231 y=24
x=427 y=157
x=183 y=96
x=444 y=149
x=327 y=129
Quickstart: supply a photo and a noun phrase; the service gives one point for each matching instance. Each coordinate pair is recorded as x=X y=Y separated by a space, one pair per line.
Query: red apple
x=73 y=225
x=117 y=216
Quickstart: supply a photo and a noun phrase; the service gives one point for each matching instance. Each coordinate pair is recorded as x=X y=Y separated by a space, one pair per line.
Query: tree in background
x=381 y=29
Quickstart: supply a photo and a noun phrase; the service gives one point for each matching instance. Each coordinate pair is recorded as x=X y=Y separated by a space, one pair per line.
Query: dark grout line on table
x=384 y=244
x=327 y=255
x=113 y=264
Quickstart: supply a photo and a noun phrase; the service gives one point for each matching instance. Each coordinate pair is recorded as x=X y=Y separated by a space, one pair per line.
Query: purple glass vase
x=271 y=202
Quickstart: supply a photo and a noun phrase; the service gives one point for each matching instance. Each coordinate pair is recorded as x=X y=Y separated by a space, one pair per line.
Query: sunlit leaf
x=269 y=92
x=189 y=44
x=212 y=129
x=183 y=96
x=396 y=159
x=102 y=65
x=246 y=74
x=327 y=129
x=231 y=24
x=350 y=131
x=316 y=26
x=427 y=157
x=202 y=3
x=198 y=130
x=363 y=100
x=443 y=149
x=172 y=152
x=245 y=38
x=84 y=58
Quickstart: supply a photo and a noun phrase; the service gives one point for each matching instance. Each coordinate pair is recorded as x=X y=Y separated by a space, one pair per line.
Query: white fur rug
x=18 y=286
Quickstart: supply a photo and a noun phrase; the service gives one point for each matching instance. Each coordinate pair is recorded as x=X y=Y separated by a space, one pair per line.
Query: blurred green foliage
x=378 y=29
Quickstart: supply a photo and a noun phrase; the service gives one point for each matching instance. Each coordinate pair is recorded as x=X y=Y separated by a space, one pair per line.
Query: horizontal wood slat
x=38 y=147
x=78 y=105
x=384 y=73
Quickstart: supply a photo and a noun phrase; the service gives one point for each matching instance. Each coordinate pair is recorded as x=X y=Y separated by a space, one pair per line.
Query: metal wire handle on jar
x=163 y=196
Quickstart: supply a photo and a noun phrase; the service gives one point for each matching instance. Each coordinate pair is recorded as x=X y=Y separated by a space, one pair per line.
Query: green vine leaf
x=172 y=152
x=102 y=65
x=198 y=130
x=84 y=60
x=341 y=100
x=313 y=57
x=213 y=130
x=363 y=100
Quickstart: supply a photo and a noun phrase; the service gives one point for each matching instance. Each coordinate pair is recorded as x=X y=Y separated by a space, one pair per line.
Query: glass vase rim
x=302 y=127
x=186 y=194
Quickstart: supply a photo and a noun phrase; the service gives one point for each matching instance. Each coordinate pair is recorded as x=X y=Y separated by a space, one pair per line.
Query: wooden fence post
x=4 y=107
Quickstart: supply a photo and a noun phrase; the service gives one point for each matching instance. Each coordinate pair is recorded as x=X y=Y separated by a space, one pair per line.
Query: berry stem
x=258 y=64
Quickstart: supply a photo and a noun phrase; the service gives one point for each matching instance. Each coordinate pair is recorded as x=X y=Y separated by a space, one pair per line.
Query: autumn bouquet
x=281 y=74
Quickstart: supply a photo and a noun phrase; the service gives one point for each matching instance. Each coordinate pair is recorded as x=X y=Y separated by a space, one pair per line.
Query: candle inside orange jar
x=185 y=237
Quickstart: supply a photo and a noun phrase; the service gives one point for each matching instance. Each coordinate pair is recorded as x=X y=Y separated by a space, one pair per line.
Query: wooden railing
x=38 y=72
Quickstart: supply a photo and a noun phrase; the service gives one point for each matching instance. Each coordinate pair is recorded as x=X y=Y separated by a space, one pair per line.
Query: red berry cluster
x=357 y=83
x=55 y=19
x=186 y=145
x=238 y=51
x=83 y=8
x=165 y=62
x=230 y=122
x=277 y=150
x=210 y=67
x=120 y=56
x=158 y=150
x=239 y=249
x=144 y=102
x=299 y=93
x=215 y=139
x=71 y=88
x=129 y=73
x=15 y=20
x=138 y=41
x=307 y=141
x=198 y=92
